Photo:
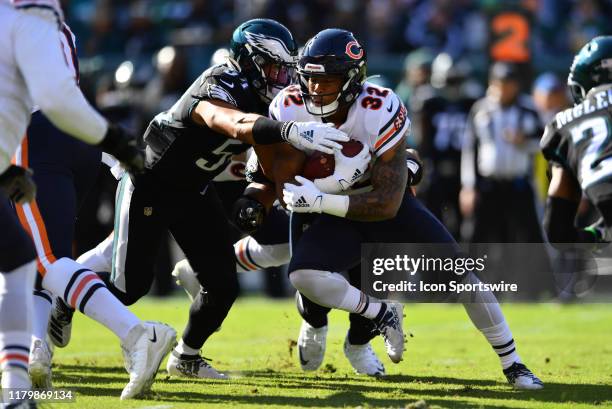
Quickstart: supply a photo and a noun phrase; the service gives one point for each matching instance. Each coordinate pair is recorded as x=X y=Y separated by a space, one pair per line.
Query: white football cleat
x=191 y=366
x=186 y=278
x=311 y=346
x=40 y=364
x=143 y=351
x=391 y=329
x=520 y=377
x=363 y=359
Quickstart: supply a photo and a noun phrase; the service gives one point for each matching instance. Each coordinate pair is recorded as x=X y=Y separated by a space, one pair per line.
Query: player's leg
x=212 y=258
x=328 y=245
x=357 y=348
x=17 y=273
x=269 y=247
x=144 y=344
x=484 y=312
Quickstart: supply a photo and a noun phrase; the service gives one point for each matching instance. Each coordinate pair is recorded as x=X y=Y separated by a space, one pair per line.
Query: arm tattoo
x=389 y=178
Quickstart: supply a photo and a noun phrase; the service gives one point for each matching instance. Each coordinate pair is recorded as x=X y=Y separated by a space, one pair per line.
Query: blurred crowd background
x=138 y=56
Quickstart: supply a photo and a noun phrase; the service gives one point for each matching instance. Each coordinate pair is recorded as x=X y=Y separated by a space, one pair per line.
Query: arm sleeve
x=50 y=81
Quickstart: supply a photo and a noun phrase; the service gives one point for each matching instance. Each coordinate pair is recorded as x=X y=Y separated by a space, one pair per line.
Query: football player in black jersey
x=578 y=143
x=186 y=147
x=439 y=124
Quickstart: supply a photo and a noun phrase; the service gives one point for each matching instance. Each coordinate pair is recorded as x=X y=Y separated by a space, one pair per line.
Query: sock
x=100 y=257
x=42 y=311
x=16 y=288
x=365 y=305
x=500 y=338
x=185 y=349
x=252 y=256
x=82 y=289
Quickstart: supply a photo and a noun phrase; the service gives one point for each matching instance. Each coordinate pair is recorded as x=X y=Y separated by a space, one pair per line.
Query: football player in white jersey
x=330 y=225
x=34 y=72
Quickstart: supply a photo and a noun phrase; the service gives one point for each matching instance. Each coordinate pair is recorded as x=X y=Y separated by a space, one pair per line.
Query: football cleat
x=311 y=346
x=191 y=366
x=40 y=365
x=520 y=377
x=363 y=359
x=60 y=323
x=143 y=351
x=186 y=278
x=390 y=328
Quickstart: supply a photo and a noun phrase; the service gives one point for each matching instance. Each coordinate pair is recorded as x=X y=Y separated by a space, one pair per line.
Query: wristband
x=336 y=205
x=268 y=131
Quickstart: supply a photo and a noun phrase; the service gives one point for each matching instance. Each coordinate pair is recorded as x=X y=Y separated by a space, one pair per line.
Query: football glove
x=347 y=171
x=16 y=183
x=122 y=146
x=315 y=136
x=248 y=214
x=304 y=198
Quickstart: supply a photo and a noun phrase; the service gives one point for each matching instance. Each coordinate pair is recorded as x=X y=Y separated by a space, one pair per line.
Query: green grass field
x=447 y=364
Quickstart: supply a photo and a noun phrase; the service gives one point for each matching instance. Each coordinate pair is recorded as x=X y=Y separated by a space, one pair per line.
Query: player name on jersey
x=603 y=99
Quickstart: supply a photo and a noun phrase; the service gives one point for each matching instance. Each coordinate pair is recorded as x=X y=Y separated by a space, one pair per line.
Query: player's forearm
x=74 y=115
x=389 y=179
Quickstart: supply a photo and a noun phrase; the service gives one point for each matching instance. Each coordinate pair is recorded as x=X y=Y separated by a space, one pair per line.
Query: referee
x=501 y=138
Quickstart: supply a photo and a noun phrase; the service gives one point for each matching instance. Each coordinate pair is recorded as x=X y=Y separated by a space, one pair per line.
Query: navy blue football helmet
x=332 y=52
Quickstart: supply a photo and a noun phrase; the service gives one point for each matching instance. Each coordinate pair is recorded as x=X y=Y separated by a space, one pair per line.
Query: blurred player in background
x=35 y=72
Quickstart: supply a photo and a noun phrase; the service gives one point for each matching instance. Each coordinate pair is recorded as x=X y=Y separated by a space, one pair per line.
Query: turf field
x=448 y=364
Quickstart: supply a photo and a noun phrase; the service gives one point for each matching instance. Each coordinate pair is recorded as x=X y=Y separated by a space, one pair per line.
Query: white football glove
x=304 y=198
x=315 y=136
x=347 y=171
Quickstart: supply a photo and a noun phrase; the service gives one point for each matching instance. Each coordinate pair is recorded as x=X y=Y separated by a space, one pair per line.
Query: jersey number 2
x=597 y=133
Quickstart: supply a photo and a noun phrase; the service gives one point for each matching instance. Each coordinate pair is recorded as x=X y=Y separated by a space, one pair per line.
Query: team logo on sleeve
x=354 y=50
x=216 y=92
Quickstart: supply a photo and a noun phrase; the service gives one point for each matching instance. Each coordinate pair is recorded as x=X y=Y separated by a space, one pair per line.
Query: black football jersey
x=187 y=155
x=580 y=140
x=441 y=124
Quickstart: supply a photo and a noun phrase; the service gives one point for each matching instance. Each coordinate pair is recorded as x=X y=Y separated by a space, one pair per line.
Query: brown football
x=321 y=165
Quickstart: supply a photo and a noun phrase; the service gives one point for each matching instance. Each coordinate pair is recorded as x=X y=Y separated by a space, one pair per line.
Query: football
x=321 y=165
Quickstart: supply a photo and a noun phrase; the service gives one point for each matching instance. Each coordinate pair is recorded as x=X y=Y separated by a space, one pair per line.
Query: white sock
x=332 y=290
x=42 y=311
x=83 y=290
x=500 y=338
x=100 y=257
x=106 y=309
x=252 y=256
x=16 y=288
x=185 y=349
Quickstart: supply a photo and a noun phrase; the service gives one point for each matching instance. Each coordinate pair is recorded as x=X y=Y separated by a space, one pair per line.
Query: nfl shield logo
x=148 y=211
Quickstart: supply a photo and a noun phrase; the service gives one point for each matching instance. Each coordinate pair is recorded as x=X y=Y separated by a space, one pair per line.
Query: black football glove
x=16 y=183
x=415 y=167
x=122 y=146
x=248 y=215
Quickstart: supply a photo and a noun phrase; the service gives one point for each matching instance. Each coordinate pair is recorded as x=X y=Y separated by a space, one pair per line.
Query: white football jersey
x=35 y=64
x=377 y=118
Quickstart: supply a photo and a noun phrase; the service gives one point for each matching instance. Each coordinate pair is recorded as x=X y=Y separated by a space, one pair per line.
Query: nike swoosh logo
x=391 y=107
x=302 y=361
x=228 y=85
x=154 y=336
